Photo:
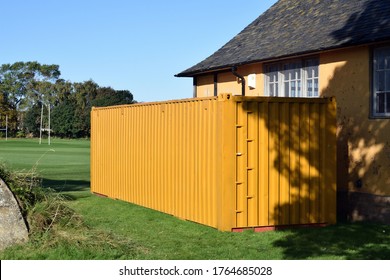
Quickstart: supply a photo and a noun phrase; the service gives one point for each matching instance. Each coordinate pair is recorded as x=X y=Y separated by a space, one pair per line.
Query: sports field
x=64 y=165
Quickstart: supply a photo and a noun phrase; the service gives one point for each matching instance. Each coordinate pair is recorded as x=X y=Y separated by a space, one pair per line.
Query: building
x=312 y=48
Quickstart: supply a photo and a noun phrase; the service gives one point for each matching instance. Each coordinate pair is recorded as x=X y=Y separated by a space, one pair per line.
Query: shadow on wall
x=363 y=145
x=304 y=137
x=363 y=161
x=363 y=148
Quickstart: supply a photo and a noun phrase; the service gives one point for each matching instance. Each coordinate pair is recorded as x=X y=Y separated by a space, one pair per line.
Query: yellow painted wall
x=363 y=143
x=228 y=83
x=205 y=86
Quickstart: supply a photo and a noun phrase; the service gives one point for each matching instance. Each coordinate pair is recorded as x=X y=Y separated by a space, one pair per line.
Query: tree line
x=28 y=90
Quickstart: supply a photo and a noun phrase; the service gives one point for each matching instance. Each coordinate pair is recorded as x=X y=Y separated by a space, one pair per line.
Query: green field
x=118 y=230
x=64 y=165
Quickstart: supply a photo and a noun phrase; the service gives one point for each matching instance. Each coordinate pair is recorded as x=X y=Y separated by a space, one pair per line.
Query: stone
x=13 y=228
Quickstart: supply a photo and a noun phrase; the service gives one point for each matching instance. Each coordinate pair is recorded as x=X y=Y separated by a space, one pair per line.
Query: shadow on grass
x=358 y=241
x=66 y=185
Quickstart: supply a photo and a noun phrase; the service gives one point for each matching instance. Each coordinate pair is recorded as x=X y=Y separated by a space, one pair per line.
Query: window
x=381 y=82
x=292 y=78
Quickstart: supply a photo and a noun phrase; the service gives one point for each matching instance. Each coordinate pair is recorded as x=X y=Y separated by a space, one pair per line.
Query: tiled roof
x=294 y=27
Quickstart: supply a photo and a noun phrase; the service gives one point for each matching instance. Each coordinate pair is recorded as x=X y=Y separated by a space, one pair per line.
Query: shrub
x=42 y=208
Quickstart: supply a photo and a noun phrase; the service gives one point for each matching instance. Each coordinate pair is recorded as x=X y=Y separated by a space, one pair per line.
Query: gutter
x=234 y=71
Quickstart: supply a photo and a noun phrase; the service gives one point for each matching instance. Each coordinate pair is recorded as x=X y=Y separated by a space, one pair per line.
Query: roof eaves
x=225 y=67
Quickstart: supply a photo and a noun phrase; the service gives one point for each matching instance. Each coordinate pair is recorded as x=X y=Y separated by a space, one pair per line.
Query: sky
x=128 y=45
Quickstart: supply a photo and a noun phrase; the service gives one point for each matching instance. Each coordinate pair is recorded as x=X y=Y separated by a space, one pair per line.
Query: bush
x=20 y=134
x=42 y=208
x=24 y=185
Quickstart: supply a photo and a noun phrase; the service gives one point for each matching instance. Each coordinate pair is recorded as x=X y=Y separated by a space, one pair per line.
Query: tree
x=64 y=120
x=29 y=88
x=32 y=120
x=107 y=96
x=19 y=80
x=23 y=85
x=84 y=93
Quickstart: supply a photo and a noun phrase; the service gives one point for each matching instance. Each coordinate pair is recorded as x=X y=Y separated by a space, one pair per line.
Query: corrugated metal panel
x=159 y=155
x=286 y=165
x=227 y=162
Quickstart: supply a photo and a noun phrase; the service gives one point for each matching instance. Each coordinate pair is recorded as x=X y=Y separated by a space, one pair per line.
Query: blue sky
x=133 y=45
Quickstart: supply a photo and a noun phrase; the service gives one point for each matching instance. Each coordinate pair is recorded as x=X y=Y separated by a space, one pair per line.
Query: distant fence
x=229 y=162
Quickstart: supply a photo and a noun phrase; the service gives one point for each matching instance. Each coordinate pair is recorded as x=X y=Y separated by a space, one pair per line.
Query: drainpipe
x=234 y=71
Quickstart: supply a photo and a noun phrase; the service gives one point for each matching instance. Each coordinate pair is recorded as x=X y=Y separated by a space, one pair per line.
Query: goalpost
x=41 y=129
x=5 y=128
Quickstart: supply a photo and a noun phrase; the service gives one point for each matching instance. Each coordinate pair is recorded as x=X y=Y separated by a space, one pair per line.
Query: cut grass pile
x=111 y=229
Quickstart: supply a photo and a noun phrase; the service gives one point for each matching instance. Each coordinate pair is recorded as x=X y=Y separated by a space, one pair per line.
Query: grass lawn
x=64 y=165
x=118 y=230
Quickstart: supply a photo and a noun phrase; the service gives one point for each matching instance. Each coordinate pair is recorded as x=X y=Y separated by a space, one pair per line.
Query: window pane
x=380 y=80
x=380 y=61
x=286 y=72
x=293 y=79
x=299 y=94
x=309 y=72
x=312 y=67
x=286 y=89
x=293 y=89
x=382 y=58
x=271 y=90
x=309 y=88
x=387 y=61
x=271 y=81
x=312 y=78
x=387 y=79
x=380 y=104
x=387 y=102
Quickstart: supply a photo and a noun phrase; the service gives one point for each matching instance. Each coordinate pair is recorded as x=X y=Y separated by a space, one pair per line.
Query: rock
x=13 y=229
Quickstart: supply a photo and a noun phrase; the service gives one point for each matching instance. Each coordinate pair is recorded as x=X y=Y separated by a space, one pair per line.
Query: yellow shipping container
x=229 y=162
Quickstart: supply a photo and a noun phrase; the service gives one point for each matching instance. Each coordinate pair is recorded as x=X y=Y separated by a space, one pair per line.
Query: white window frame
x=381 y=67
x=298 y=80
